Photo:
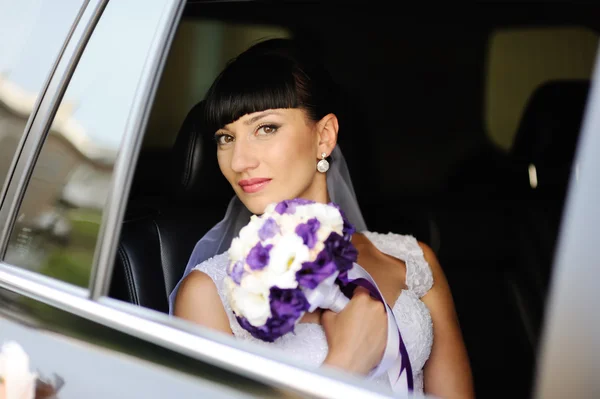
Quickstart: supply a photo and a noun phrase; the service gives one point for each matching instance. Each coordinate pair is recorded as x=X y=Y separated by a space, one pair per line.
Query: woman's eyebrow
x=260 y=116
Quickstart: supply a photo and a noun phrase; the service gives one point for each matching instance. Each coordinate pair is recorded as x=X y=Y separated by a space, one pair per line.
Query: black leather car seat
x=162 y=225
x=499 y=236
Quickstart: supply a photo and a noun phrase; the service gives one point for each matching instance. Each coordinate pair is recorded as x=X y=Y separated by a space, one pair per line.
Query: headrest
x=151 y=173
x=195 y=174
x=549 y=129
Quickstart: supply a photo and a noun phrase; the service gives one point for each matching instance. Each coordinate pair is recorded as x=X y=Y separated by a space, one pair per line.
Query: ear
x=327 y=131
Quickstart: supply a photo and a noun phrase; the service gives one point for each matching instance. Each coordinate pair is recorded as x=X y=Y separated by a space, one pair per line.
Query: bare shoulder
x=196 y=285
x=195 y=289
x=195 y=279
x=447 y=371
x=198 y=301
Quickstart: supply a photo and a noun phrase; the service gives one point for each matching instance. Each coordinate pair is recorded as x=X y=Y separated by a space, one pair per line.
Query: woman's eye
x=223 y=139
x=267 y=129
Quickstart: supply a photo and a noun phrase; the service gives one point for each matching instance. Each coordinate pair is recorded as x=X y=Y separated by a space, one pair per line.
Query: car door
x=569 y=360
x=70 y=54
x=62 y=204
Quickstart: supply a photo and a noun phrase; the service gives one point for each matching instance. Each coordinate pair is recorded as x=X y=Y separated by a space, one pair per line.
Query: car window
x=31 y=35
x=59 y=218
x=200 y=49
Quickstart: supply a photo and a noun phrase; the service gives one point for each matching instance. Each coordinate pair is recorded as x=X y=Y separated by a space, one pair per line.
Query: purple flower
x=287 y=305
x=268 y=229
x=236 y=272
x=308 y=232
x=348 y=230
x=313 y=273
x=258 y=257
x=289 y=206
x=342 y=251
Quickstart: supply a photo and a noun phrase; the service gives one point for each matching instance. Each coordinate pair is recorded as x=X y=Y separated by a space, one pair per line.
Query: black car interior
x=167 y=215
x=414 y=135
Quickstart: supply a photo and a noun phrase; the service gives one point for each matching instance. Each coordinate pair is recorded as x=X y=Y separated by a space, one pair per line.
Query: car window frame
x=38 y=101
x=38 y=127
x=131 y=143
x=573 y=293
x=40 y=121
x=133 y=132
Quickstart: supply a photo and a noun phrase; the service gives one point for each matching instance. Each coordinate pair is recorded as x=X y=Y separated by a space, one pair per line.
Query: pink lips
x=253 y=185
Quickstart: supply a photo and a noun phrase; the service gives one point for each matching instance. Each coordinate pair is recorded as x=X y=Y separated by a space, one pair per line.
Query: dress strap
x=419 y=277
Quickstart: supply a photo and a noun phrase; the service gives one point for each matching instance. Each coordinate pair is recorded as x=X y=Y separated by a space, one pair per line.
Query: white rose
x=323 y=233
x=303 y=211
x=285 y=260
x=255 y=283
x=250 y=231
x=270 y=209
x=248 y=237
x=332 y=218
x=319 y=246
x=252 y=300
x=230 y=287
x=327 y=215
x=19 y=382
x=288 y=223
x=237 y=249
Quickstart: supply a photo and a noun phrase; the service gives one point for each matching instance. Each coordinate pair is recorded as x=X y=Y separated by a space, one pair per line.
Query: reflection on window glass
x=200 y=50
x=31 y=35
x=59 y=219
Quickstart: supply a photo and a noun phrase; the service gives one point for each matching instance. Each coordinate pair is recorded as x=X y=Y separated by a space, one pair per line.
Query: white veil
x=218 y=239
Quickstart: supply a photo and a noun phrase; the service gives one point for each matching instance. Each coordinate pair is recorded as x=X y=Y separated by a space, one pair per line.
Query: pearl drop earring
x=323 y=165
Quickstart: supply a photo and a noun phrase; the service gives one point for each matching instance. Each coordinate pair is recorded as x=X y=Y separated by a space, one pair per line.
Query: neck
x=318 y=190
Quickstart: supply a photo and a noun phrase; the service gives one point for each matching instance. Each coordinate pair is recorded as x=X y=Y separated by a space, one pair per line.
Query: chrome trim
x=38 y=101
x=197 y=342
x=42 y=279
x=44 y=118
x=569 y=361
x=114 y=210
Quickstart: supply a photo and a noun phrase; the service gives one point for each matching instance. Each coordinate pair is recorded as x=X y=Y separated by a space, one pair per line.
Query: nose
x=243 y=157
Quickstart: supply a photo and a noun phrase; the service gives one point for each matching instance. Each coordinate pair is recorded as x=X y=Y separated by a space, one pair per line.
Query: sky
x=101 y=90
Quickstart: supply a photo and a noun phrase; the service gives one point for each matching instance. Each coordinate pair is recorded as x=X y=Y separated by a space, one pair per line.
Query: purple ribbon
x=363 y=279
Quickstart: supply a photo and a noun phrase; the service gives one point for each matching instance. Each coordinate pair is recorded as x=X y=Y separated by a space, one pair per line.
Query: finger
x=327 y=317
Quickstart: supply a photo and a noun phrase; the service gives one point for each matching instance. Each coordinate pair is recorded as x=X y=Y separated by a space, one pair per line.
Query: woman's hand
x=357 y=335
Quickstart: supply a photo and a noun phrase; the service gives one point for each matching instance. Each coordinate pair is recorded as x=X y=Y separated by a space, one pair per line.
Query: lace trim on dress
x=419 y=277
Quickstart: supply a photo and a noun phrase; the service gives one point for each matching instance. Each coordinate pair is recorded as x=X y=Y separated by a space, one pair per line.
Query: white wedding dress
x=308 y=343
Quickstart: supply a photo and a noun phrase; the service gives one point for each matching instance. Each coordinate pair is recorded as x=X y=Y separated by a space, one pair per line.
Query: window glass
x=200 y=49
x=59 y=219
x=31 y=35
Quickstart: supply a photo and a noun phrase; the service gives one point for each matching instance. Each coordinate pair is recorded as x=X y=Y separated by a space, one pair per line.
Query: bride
x=272 y=117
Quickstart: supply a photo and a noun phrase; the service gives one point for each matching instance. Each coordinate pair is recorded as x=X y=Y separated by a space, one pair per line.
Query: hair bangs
x=248 y=86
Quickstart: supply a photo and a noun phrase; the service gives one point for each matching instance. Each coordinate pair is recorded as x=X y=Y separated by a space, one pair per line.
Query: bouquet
x=294 y=258
x=290 y=260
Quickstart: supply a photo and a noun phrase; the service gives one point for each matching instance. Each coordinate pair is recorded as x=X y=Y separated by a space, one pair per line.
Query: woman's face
x=271 y=156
